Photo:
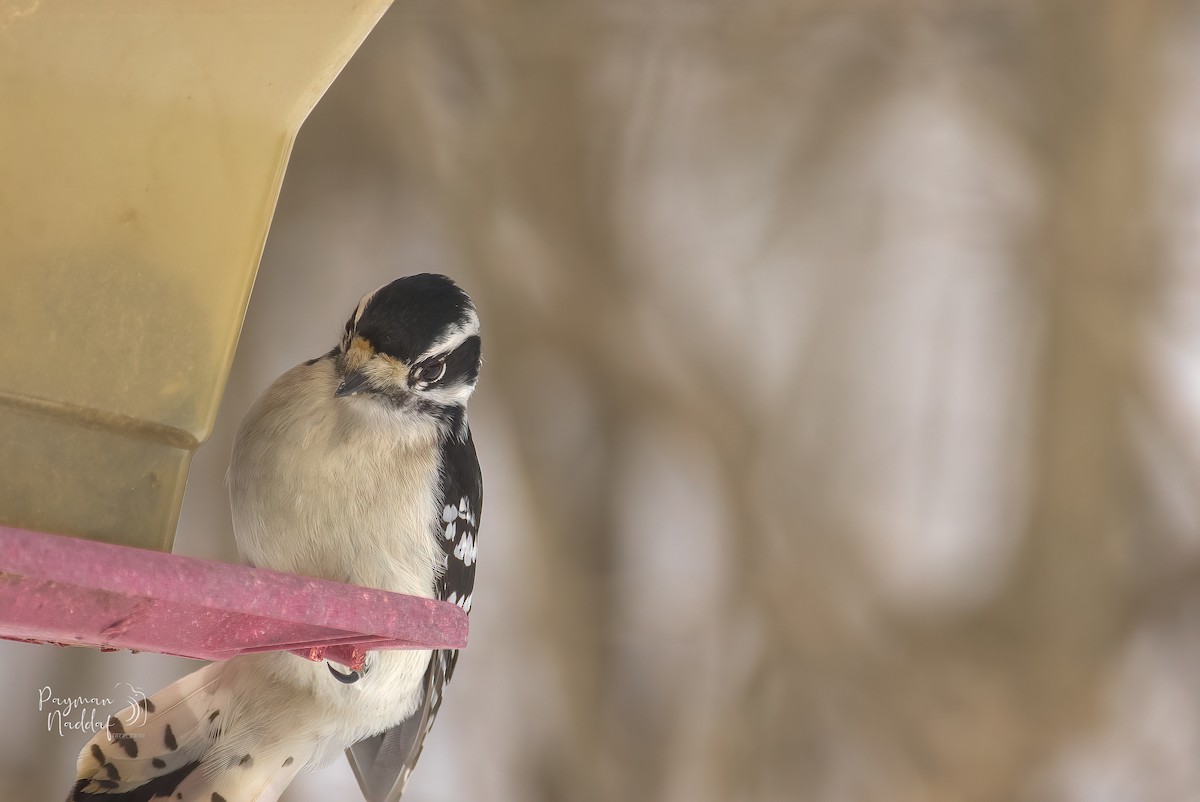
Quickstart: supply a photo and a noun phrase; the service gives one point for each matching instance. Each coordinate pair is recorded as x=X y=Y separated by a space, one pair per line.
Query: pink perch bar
x=75 y=592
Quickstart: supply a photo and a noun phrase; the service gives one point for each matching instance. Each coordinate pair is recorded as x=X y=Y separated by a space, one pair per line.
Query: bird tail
x=168 y=747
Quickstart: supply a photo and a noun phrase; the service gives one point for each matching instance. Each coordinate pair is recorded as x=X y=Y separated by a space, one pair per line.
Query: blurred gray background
x=840 y=417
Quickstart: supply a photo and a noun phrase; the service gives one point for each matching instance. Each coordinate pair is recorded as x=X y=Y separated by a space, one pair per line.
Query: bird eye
x=431 y=373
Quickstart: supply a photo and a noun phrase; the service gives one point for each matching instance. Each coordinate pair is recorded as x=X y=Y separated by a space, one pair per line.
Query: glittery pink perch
x=77 y=592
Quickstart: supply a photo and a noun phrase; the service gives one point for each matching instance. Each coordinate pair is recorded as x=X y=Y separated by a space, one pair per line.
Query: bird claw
x=359 y=660
x=348 y=678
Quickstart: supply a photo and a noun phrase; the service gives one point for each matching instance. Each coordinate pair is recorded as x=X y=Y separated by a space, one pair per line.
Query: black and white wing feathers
x=383 y=762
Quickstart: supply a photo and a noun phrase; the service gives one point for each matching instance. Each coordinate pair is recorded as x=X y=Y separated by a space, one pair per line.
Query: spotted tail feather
x=164 y=748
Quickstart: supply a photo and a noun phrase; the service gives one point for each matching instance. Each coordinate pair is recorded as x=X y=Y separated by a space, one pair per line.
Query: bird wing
x=383 y=762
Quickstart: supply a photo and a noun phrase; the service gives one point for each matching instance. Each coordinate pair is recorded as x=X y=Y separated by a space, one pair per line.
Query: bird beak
x=354 y=383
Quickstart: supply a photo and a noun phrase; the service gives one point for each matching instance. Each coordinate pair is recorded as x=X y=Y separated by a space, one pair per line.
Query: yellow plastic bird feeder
x=142 y=147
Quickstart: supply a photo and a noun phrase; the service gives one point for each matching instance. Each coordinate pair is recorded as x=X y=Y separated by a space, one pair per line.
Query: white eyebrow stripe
x=454 y=336
x=362 y=305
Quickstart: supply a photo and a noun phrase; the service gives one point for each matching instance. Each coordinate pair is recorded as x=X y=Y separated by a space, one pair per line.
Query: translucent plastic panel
x=142 y=146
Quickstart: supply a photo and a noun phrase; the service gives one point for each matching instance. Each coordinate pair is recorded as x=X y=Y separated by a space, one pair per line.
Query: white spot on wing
x=465 y=549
